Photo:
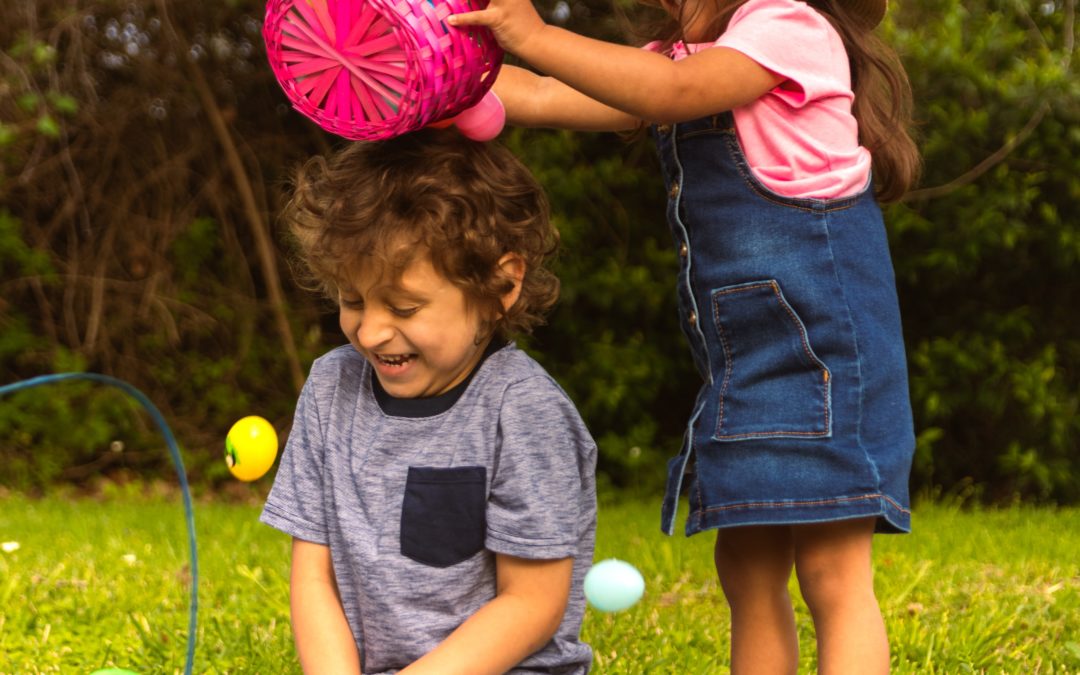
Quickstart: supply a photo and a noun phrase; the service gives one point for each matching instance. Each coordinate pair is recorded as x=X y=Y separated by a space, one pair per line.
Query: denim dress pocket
x=443 y=515
x=770 y=383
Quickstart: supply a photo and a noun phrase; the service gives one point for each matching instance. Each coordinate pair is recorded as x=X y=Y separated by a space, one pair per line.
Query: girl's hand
x=513 y=22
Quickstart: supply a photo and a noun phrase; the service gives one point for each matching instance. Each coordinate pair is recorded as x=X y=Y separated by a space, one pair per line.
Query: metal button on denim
x=674 y=192
x=664 y=129
x=692 y=319
x=683 y=250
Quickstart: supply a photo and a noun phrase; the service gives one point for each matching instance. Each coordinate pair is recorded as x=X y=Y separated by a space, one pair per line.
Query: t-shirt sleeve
x=295 y=503
x=542 y=489
x=794 y=41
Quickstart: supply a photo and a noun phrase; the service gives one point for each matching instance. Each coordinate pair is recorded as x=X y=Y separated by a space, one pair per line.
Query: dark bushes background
x=145 y=149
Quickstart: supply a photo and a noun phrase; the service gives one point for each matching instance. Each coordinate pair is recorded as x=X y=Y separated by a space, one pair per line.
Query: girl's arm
x=644 y=84
x=324 y=640
x=535 y=101
x=530 y=600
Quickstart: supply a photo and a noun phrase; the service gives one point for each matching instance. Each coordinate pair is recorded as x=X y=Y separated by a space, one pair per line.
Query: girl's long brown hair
x=882 y=105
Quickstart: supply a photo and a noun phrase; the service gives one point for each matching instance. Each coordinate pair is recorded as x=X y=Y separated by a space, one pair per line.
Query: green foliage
x=37 y=106
x=106 y=584
x=613 y=341
x=122 y=246
x=45 y=433
x=57 y=432
x=126 y=244
x=17 y=258
x=987 y=263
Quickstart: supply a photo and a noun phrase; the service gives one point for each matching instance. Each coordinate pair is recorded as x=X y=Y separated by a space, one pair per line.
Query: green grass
x=98 y=583
x=986 y=591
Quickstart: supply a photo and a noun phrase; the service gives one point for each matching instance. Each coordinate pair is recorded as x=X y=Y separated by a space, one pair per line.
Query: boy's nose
x=374 y=330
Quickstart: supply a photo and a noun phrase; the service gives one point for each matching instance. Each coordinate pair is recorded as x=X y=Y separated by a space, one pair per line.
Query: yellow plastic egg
x=250 y=448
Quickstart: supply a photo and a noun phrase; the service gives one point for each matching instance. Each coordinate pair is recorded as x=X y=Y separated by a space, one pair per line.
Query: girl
x=768 y=116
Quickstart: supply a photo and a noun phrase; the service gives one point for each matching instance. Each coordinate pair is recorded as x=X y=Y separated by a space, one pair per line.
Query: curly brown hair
x=435 y=193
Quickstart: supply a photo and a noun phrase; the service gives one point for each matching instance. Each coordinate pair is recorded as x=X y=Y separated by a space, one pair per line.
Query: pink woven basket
x=374 y=69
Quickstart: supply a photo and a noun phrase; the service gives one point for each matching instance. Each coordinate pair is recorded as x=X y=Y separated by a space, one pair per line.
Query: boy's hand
x=528 y=607
x=324 y=641
x=513 y=22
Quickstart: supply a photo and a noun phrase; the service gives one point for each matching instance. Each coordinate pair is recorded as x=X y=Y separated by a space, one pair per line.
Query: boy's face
x=419 y=333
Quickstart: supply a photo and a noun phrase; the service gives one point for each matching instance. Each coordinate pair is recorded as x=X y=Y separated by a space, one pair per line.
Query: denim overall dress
x=790 y=309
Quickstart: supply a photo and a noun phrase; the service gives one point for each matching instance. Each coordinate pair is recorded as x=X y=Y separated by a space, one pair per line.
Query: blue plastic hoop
x=178 y=463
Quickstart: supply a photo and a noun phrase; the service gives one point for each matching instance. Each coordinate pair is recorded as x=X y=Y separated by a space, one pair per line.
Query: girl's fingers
x=511 y=22
x=478 y=18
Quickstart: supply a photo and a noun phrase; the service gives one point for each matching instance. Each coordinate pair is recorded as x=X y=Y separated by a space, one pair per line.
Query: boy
x=437 y=483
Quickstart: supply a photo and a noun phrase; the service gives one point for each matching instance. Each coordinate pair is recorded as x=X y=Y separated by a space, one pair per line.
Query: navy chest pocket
x=443 y=515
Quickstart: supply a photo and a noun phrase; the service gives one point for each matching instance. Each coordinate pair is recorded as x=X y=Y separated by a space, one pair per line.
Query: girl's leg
x=754 y=565
x=833 y=565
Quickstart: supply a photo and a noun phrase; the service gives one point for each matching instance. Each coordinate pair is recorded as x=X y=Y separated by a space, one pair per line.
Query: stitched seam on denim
x=806 y=502
x=689 y=266
x=773 y=434
x=727 y=363
x=809 y=354
x=697 y=479
x=806 y=347
x=720 y=123
x=858 y=360
x=680 y=479
x=670 y=527
x=700 y=500
x=708 y=132
x=799 y=203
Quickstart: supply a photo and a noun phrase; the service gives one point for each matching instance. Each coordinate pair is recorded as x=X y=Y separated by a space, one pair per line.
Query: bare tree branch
x=259 y=228
x=982 y=167
x=970 y=176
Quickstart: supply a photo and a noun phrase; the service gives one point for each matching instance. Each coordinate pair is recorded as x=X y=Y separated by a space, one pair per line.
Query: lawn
x=89 y=583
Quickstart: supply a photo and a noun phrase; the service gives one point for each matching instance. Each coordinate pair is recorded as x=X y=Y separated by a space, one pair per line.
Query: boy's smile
x=419 y=333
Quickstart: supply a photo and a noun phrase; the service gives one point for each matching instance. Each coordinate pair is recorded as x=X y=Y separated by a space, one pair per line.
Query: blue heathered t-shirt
x=414 y=509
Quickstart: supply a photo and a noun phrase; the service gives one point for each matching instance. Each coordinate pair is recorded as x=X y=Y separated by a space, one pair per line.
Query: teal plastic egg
x=612 y=585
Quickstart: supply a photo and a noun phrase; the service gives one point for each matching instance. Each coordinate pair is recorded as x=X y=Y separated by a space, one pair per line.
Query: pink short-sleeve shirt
x=800 y=139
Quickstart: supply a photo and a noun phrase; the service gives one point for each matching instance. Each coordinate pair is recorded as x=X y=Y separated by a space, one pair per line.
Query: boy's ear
x=512 y=268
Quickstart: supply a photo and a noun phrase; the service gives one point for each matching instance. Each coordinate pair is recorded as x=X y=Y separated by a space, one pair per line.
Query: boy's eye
x=352 y=304
x=403 y=311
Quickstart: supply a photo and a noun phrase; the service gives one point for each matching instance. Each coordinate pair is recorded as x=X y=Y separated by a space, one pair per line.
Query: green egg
x=612 y=585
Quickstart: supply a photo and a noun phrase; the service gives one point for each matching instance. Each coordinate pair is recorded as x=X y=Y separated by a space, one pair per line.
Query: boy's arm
x=525 y=613
x=535 y=101
x=324 y=640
